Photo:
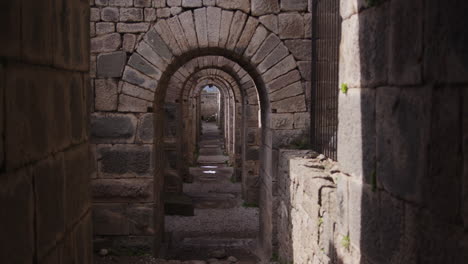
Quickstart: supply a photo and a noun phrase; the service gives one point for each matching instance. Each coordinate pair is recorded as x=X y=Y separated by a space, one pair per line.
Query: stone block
x=154 y=40
x=294 y=5
x=123 y=161
x=111 y=64
x=104 y=28
x=128 y=43
x=213 y=25
x=406 y=26
x=166 y=34
x=283 y=81
x=192 y=3
x=226 y=18
x=150 y=14
x=402 y=129
x=92 y=29
x=236 y=29
x=106 y=43
x=135 y=77
x=122 y=3
x=132 y=27
x=291 y=26
x=201 y=27
x=257 y=39
x=305 y=67
x=186 y=20
x=246 y=36
x=264 y=7
x=209 y=2
x=176 y=10
x=243 y=5
x=77 y=179
x=282 y=67
x=17 y=209
x=265 y=49
x=308 y=26
x=141 y=219
x=95 y=14
x=110 y=14
x=270 y=22
x=132 y=104
x=273 y=58
x=163 y=12
x=101 y=2
x=356 y=133
x=131 y=14
x=142 y=65
x=110 y=219
x=302 y=120
x=137 y=92
x=283 y=138
x=113 y=128
x=286 y=92
x=301 y=49
x=142 y=3
x=159 y=3
x=174 y=2
x=146 y=129
x=281 y=121
x=122 y=190
x=105 y=95
x=178 y=33
x=290 y=105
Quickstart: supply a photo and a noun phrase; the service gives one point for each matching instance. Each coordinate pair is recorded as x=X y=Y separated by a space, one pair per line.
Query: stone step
x=213 y=159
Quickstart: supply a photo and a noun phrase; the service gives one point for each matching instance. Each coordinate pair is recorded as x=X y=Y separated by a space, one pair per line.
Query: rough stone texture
x=243 y=5
x=132 y=27
x=301 y=49
x=291 y=26
x=142 y=65
x=131 y=14
x=132 y=104
x=150 y=14
x=262 y=7
x=226 y=18
x=214 y=22
x=282 y=67
x=264 y=50
x=106 y=43
x=290 y=105
x=294 y=5
x=113 y=128
x=105 y=95
x=201 y=27
x=122 y=190
x=124 y=161
x=111 y=64
x=142 y=3
x=145 y=131
x=270 y=22
x=305 y=67
x=288 y=91
x=163 y=12
x=282 y=121
x=191 y=3
x=129 y=41
x=110 y=14
x=104 y=28
x=135 y=77
x=122 y=3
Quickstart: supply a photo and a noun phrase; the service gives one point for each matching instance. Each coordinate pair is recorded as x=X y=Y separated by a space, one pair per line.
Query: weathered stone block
x=213 y=25
x=264 y=50
x=104 y=28
x=174 y=2
x=257 y=39
x=178 y=33
x=291 y=26
x=209 y=2
x=142 y=3
x=263 y=7
x=281 y=121
x=113 y=128
x=95 y=14
x=290 y=105
x=201 y=27
x=105 y=95
x=305 y=67
x=159 y=3
x=186 y=20
x=110 y=14
x=135 y=77
x=282 y=67
x=150 y=14
x=294 y=5
x=111 y=64
x=356 y=133
x=146 y=129
x=273 y=58
x=403 y=116
x=122 y=190
x=144 y=66
x=301 y=49
x=243 y=5
x=132 y=104
x=302 y=120
x=246 y=35
x=191 y=3
x=153 y=39
x=286 y=92
x=106 y=43
x=163 y=12
x=110 y=219
x=270 y=22
x=226 y=18
x=122 y=3
x=138 y=92
x=131 y=14
x=284 y=137
x=17 y=209
x=129 y=41
x=132 y=27
x=101 y=2
x=283 y=81
x=406 y=26
x=176 y=10
x=125 y=160
x=77 y=179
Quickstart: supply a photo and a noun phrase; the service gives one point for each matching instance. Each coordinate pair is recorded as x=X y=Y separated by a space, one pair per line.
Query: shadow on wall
x=412 y=94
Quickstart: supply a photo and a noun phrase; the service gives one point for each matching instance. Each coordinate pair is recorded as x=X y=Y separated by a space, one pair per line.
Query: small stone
x=103 y=252
x=232 y=259
x=219 y=254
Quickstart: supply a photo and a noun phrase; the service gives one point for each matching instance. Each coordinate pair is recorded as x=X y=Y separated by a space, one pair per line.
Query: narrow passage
x=223 y=226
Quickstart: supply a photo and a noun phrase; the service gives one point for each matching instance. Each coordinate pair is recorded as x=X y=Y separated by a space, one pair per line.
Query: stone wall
x=398 y=194
x=209 y=104
x=45 y=161
x=137 y=45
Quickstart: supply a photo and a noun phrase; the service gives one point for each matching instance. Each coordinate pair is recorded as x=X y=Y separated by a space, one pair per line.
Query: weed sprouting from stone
x=346 y=242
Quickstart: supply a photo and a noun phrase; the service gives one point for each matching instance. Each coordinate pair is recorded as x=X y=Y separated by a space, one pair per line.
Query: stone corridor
x=341 y=132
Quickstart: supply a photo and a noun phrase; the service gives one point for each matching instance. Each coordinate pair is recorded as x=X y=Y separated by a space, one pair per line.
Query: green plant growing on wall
x=346 y=242
x=320 y=221
x=344 y=88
